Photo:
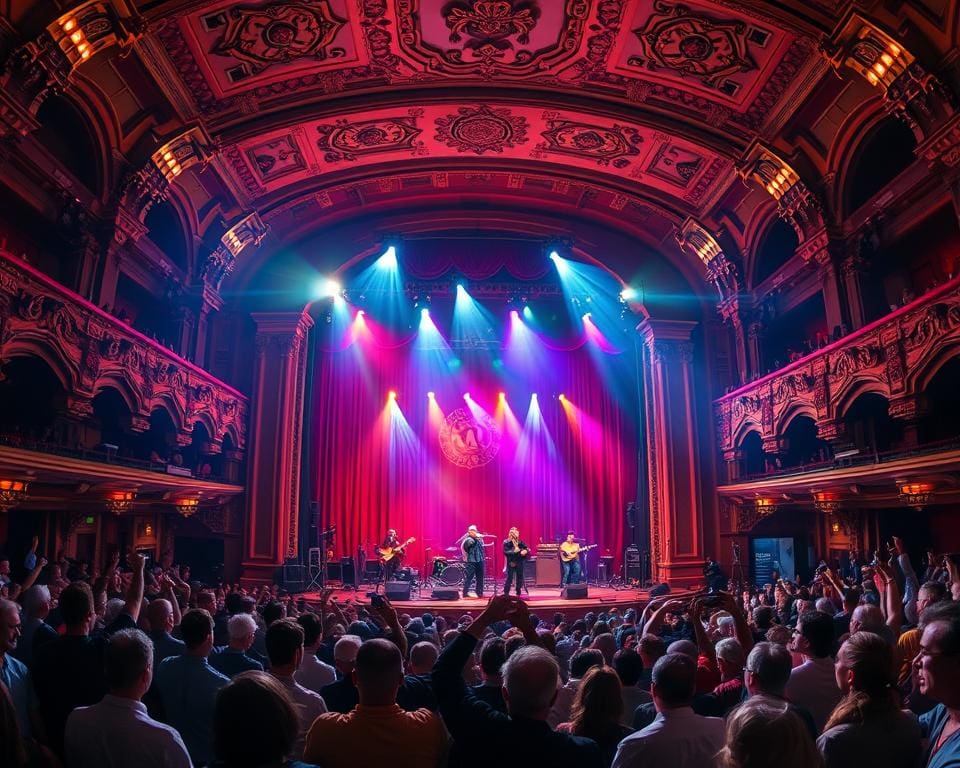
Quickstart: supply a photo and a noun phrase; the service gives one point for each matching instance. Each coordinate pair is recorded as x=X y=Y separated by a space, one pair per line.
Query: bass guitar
x=388 y=553
x=570 y=558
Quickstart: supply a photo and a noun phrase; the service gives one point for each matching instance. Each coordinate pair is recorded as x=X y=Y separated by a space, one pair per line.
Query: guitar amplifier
x=334 y=571
x=632 y=570
x=548 y=565
x=397 y=590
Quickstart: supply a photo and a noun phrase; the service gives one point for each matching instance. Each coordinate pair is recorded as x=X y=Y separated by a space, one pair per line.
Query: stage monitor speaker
x=293 y=577
x=574 y=592
x=348 y=571
x=660 y=590
x=397 y=590
x=548 y=572
x=445 y=594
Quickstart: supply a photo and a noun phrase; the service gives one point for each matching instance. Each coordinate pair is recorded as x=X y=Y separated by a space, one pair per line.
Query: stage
x=544 y=601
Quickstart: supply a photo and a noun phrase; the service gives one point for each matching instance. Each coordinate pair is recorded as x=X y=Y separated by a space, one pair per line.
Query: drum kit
x=448 y=571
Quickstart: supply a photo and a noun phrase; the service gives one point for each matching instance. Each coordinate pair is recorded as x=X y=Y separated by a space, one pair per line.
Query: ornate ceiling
x=652 y=98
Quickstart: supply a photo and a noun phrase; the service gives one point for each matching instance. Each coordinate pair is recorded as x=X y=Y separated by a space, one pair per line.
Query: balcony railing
x=90 y=350
x=892 y=356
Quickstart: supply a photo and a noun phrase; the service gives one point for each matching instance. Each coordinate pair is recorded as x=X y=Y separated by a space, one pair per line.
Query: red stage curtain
x=573 y=474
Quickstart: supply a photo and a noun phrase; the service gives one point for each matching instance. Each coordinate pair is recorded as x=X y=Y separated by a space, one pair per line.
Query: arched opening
x=195 y=455
x=167 y=233
x=883 y=156
x=112 y=415
x=158 y=443
x=941 y=412
x=776 y=249
x=66 y=135
x=869 y=425
x=31 y=399
x=225 y=465
x=801 y=444
x=753 y=459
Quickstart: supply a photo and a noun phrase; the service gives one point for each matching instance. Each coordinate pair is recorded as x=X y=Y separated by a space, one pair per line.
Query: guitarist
x=391 y=544
x=570 y=560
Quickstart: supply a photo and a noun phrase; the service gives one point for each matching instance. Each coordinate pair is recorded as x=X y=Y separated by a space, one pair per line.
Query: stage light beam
x=388 y=260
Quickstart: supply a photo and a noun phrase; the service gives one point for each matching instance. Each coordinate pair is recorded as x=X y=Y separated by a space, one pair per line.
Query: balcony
x=90 y=351
x=893 y=357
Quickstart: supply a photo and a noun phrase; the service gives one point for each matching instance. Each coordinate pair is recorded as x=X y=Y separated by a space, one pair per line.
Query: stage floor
x=544 y=601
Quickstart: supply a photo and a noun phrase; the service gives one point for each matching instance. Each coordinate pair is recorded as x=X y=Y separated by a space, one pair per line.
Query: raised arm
x=389 y=616
x=656 y=620
x=134 y=597
x=32 y=576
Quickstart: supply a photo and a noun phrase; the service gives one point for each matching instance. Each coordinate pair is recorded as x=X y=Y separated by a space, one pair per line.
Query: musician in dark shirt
x=472 y=546
x=516 y=553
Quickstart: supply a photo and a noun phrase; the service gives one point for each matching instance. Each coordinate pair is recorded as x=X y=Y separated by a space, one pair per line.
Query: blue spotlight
x=527 y=313
x=461 y=291
x=628 y=293
x=562 y=267
x=388 y=260
x=327 y=288
x=424 y=313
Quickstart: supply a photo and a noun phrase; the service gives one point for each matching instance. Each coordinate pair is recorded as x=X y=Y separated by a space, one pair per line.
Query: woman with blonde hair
x=596 y=711
x=867 y=726
x=764 y=733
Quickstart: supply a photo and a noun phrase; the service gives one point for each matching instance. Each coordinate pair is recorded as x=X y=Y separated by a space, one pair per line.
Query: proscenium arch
x=528 y=210
x=402 y=220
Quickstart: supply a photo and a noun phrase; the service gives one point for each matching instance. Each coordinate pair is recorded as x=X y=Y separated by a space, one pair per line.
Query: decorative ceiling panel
x=242 y=46
x=718 y=52
x=706 y=62
x=628 y=153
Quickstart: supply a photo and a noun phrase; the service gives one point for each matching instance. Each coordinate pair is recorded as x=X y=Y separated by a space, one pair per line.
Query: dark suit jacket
x=514 y=560
x=484 y=737
x=473 y=549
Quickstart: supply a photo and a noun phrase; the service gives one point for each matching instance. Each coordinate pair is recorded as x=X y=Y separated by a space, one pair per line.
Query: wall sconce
x=12 y=493
x=190 y=148
x=765 y=506
x=868 y=51
x=91 y=27
x=250 y=229
x=769 y=170
x=119 y=502
x=834 y=526
x=916 y=495
x=827 y=503
x=187 y=506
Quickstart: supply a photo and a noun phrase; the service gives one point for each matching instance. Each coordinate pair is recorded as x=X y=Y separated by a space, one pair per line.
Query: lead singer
x=472 y=546
x=516 y=553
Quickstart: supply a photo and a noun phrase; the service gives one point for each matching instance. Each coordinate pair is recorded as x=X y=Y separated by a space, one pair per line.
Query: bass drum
x=452 y=575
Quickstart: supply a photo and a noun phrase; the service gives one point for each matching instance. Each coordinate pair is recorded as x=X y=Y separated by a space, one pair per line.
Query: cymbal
x=453 y=549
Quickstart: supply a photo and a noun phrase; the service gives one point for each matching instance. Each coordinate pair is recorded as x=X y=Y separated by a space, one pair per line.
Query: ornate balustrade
x=90 y=350
x=894 y=357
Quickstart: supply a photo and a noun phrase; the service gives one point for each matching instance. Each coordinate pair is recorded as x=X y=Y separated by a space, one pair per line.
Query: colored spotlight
x=461 y=291
x=628 y=293
x=392 y=394
x=561 y=263
x=502 y=397
x=431 y=395
x=514 y=315
x=424 y=313
x=327 y=288
x=533 y=396
x=528 y=313
x=389 y=259
x=562 y=397
x=586 y=316
x=360 y=313
x=466 y=396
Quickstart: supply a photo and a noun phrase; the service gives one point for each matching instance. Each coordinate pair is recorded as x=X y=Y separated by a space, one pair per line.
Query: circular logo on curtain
x=468 y=439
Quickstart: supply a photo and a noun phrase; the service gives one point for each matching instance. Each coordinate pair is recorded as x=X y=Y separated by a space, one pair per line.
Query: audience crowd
x=141 y=666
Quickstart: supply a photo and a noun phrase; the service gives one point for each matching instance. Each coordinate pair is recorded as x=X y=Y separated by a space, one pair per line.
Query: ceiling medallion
x=481 y=129
x=281 y=33
x=710 y=50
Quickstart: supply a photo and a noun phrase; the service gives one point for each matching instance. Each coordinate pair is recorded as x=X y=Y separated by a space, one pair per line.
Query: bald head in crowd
x=160 y=616
x=378 y=672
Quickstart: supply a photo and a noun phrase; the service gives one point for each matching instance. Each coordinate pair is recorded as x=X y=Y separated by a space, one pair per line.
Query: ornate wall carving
x=90 y=350
x=892 y=357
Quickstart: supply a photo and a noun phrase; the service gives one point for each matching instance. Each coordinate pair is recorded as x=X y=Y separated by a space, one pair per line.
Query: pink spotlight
x=466 y=396
x=392 y=394
x=514 y=315
x=503 y=397
x=431 y=395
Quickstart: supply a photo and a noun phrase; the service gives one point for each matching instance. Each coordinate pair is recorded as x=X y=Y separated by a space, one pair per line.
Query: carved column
x=673 y=455
x=210 y=303
x=755 y=333
x=854 y=270
x=276 y=423
x=730 y=312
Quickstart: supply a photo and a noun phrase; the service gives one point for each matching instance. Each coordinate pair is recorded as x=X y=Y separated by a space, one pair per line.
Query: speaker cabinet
x=445 y=594
x=293 y=577
x=397 y=590
x=574 y=592
x=334 y=572
x=348 y=572
x=548 y=572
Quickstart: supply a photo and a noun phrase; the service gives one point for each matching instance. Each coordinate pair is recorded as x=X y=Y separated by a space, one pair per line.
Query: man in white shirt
x=813 y=683
x=284 y=643
x=678 y=737
x=118 y=731
x=313 y=673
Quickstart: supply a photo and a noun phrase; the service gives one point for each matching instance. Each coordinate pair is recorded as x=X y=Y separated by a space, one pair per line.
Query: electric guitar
x=388 y=553
x=570 y=558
